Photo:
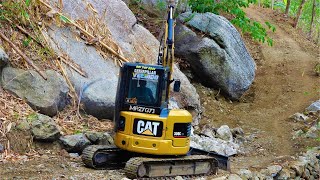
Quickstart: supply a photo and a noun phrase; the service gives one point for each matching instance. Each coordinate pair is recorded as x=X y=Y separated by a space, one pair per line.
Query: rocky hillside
x=59 y=70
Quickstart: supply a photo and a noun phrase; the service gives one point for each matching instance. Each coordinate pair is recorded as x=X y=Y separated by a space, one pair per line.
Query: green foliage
x=234 y=7
x=14 y=10
x=64 y=19
x=26 y=41
x=161 y=5
x=31 y=117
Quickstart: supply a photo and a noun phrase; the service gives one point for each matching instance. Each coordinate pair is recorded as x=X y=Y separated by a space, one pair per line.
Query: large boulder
x=44 y=128
x=47 y=96
x=187 y=97
x=215 y=51
x=97 y=91
x=3 y=58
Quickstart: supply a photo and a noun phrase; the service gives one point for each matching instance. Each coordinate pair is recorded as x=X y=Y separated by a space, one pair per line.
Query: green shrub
x=239 y=18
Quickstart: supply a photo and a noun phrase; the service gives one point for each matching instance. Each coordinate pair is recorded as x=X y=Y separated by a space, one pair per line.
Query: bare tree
x=298 y=13
x=312 y=16
x=287 y=7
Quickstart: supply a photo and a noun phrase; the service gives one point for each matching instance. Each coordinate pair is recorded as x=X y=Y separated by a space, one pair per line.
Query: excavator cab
x=143 y=123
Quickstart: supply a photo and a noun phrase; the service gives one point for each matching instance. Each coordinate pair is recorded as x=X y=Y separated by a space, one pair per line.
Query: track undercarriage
x=196 y=163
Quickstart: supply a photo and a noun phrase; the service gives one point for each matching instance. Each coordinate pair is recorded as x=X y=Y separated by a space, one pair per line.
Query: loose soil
x=284 y=84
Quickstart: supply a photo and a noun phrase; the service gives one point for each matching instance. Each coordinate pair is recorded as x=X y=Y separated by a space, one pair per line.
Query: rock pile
x=221 y=140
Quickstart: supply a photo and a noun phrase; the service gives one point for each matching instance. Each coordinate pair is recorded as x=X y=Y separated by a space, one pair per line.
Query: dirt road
x=284 y=84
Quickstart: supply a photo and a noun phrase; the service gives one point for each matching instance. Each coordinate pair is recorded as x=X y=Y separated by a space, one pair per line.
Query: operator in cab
x=143 y=93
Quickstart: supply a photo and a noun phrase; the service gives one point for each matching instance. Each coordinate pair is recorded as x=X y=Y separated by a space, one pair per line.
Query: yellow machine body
x=145 y=142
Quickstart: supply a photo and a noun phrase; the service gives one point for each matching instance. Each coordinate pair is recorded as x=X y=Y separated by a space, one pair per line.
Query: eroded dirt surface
x=284 y=84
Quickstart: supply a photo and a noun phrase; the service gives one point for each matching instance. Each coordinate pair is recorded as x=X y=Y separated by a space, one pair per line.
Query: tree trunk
x=298 y=14
x=272 y=4
x=312 y=17
x=287 y=7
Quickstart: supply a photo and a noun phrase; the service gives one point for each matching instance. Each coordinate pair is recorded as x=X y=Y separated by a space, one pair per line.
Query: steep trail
x=284 y=84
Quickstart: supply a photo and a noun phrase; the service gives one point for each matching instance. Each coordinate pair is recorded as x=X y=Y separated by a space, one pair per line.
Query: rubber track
x=89 y=152
x=133 y=164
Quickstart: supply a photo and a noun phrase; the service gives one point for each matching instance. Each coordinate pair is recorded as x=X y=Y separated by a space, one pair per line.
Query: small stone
x=234 y=177
x=299 y=117
x=63 y=166
x=40 y=166
x=312 y=133
x=238 y=131
x=45 y=156
x=297 y=134
x=125 y=179
x=1 y=148
x=208 y=131
x=314 y=107
x=44 y=128
x=298 y=167
x=178 y=178
x=74 y=155
x=274 y=170
x=225 y=133
x=75 y=143
x=286 y=174
x=245 y=174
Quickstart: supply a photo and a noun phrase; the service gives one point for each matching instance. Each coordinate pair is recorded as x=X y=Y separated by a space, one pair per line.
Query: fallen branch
x=23 y=55
x=74 y=67
x=68 y=82
x=87 y=33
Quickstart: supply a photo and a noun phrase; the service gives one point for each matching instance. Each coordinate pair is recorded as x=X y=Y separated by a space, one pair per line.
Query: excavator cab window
x=143 y=91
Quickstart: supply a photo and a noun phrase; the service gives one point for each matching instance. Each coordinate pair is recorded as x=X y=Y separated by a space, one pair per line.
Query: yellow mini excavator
x=151 y=140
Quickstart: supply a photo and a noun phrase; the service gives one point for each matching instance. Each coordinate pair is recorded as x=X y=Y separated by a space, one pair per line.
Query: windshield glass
x=143 y=87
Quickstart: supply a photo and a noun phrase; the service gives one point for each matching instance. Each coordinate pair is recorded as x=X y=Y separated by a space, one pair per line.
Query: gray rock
x=224 y=133
x=75 y=143
x=213 y=144
x=74 y=155
x=98 y=89
x=45 y=129
x=24 y=125
x=234 y=177
x=299 y=117
x=209 y=131
x=297 y=167
x=274 y=170
x=4 y=59
x=245 y=174
x=1 y=148
x=236 y=132
x=314 y=107
x=286 y=174
x=48 y=96
x=220 y=59
x=297 y=134
x=313 y=132
x=100 y=138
